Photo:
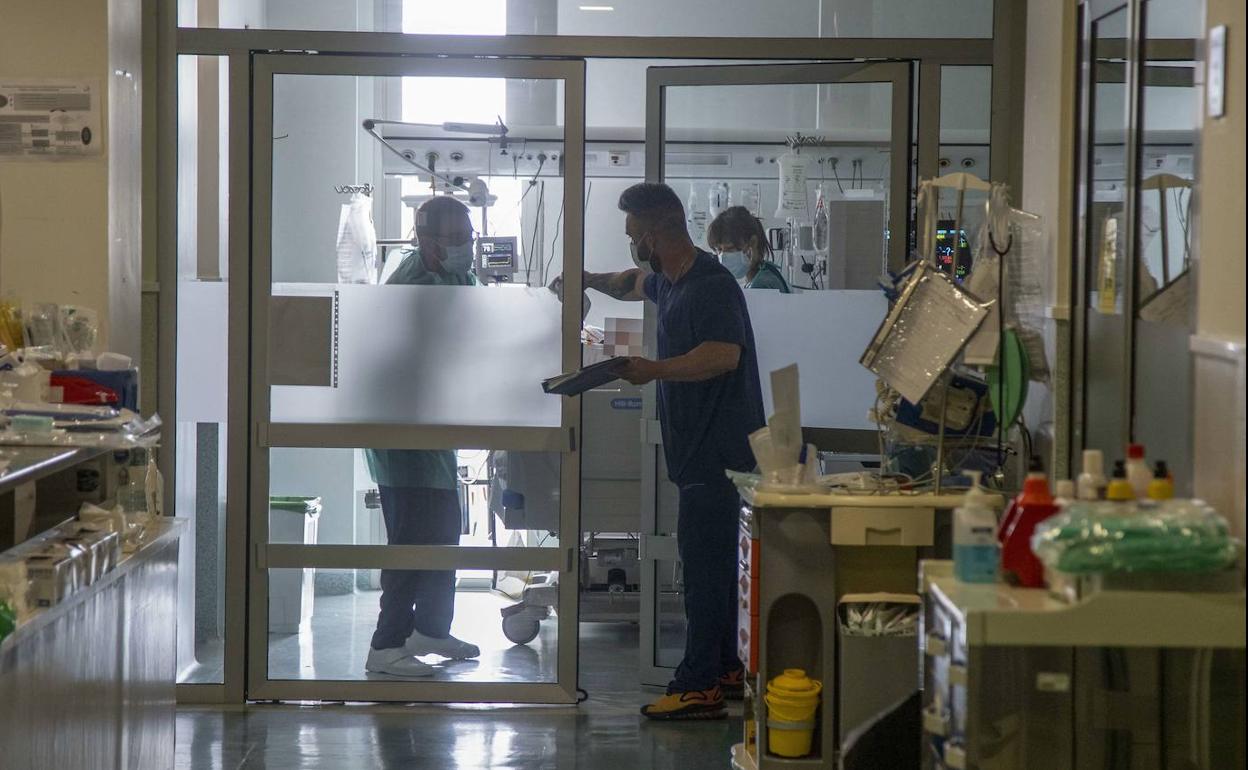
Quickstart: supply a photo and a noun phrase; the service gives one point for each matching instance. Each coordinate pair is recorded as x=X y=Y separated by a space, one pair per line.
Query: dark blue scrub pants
x=706 y=533
x=417 y=600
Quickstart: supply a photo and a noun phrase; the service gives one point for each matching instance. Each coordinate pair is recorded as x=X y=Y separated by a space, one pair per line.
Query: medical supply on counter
x=1064 y=494
x=976 y=551
x=1092 y=482
x=1019 y=565
x=133 y=494
x=1138 y=472
x=8 y=620
x=28 y=380
x=154 y=486
x=1161 y=487
x=792 y=700
x=1169 y=536
x=113 y=362
x=15 y=588
x=31 y=425
x=54 y=574
x=82 y=329
x=1120 y=488
x=1034 y=470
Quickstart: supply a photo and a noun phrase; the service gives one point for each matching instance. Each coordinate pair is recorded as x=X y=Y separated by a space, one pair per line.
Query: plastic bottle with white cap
x=975 y=548
x=1092 y=482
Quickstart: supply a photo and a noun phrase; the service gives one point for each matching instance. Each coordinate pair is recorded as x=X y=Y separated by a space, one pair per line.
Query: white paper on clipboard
x=43 y=119
x=927 y=327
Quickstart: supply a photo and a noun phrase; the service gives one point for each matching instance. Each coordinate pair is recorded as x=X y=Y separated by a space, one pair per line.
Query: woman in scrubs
x=737 y=236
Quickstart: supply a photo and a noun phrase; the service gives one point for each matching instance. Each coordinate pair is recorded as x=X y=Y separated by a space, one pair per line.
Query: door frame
x=264 y=435
x=654 y=546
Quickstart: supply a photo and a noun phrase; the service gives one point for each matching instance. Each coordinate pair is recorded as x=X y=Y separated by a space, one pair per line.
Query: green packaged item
x=8 y=620
x=1174 y=536
x=308 y=505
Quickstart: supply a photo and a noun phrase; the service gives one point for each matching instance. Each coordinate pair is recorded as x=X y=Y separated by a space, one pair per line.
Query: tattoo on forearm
x=616 y=285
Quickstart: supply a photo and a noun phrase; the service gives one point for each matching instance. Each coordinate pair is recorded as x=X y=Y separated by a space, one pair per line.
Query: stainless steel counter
x=89 y=683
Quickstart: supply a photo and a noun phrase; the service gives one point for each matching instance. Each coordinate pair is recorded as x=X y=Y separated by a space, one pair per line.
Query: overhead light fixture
x=596 y=7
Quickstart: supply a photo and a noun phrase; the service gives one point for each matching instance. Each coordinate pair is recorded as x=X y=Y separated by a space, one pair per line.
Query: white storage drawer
x=879 y=525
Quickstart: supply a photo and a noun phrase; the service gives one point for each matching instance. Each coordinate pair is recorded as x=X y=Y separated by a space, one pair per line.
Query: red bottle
x=1019 y=565
x=1034 y=468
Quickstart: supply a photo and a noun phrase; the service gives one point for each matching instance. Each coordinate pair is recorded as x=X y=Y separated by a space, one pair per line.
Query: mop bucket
x=792 y=700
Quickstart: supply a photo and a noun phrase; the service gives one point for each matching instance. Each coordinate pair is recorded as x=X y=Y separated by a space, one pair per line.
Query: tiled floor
x=604 y=733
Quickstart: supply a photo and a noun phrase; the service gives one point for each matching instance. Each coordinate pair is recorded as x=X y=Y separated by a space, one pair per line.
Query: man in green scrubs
x=420 y=487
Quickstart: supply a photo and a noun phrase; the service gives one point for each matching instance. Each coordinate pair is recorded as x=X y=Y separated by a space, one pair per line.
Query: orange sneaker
x=732 y=684
x=695 y=704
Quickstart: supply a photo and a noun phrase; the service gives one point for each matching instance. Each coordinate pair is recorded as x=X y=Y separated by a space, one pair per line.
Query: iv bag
x=792 y=186
x=696 y=217
x=820 y=230
x=718 y=198
x=357 y=241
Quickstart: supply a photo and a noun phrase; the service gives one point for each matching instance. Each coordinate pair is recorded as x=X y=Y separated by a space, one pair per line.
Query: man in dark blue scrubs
x=710 y=401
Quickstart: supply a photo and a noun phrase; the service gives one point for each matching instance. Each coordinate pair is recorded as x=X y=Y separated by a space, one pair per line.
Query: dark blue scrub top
x=706 y=425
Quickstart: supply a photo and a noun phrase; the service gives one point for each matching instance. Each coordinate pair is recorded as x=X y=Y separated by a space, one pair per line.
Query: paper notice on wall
x=50 y=119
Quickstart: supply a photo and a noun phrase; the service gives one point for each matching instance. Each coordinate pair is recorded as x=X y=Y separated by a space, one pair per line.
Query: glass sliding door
x=719 y=136
x=401 y=444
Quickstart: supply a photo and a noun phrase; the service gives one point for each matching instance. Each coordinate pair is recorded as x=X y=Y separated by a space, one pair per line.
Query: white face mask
x=457 y=259
x=737 y=263
x=635 y=251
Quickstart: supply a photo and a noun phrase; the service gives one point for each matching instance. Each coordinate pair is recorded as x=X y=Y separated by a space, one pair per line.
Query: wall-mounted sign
x=49 y=119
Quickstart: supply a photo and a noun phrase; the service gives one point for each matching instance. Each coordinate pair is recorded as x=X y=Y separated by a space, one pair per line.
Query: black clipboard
x=588 y=378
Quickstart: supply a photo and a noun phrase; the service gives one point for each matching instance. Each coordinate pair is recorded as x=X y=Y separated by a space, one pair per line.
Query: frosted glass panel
x=824 y=333
x=432 y=355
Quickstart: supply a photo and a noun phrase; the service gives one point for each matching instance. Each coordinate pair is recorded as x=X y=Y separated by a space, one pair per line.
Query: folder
x=588 y=378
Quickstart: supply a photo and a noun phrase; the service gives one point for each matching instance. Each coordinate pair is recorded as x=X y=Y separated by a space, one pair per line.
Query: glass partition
x=648 y=18
x=352 y=158
x=1164 y=318
x=1104 y=410
x=327 y=637
x=203 y=362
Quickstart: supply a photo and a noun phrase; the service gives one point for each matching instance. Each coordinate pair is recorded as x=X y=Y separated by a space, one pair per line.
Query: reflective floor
x=342 y=627
x=604 y=733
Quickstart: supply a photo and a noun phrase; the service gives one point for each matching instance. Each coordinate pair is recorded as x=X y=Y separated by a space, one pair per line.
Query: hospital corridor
x=605 y=384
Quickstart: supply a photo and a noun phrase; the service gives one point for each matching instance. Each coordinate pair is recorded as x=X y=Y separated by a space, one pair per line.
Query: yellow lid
x=1160 y=489
x=1120 y=490
x=794 y=682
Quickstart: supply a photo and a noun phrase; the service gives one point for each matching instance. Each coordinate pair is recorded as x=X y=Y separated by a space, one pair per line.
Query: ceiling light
x=596 y=7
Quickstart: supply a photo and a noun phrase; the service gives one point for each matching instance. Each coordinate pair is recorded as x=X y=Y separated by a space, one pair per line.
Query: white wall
x=55 y=226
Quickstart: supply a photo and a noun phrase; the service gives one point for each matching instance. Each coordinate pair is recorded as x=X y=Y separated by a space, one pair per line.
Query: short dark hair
x=656 y=204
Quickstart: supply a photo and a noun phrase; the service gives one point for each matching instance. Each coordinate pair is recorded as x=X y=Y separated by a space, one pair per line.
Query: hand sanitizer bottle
x=975 y=547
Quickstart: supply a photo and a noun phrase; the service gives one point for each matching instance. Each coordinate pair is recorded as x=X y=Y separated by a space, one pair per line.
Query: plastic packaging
x=718 y=198
x=975 y=547
x=82 y=328
x=793 y=194
x=357 y=241
x=1171 y=536
x=1091 y=483
x=696 y=217
x=1161 y=487
x=820 y=229
x=1019 y=564
x=15 y=590
x=1138 y=472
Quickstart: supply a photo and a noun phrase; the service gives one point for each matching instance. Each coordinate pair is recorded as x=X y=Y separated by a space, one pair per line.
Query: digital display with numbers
x=497 y=253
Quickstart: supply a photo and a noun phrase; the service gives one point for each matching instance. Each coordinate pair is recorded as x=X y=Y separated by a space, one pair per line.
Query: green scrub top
x=769 y=277
x=427 y=468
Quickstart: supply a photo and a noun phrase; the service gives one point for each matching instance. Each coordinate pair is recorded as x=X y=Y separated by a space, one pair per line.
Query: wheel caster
x=521 y=628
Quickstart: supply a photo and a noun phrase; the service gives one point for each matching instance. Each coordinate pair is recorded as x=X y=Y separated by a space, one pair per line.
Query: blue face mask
x=458 y=259
x=737 y=263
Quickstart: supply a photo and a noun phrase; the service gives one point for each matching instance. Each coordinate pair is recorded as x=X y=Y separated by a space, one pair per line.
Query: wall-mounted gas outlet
x=617 y=158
